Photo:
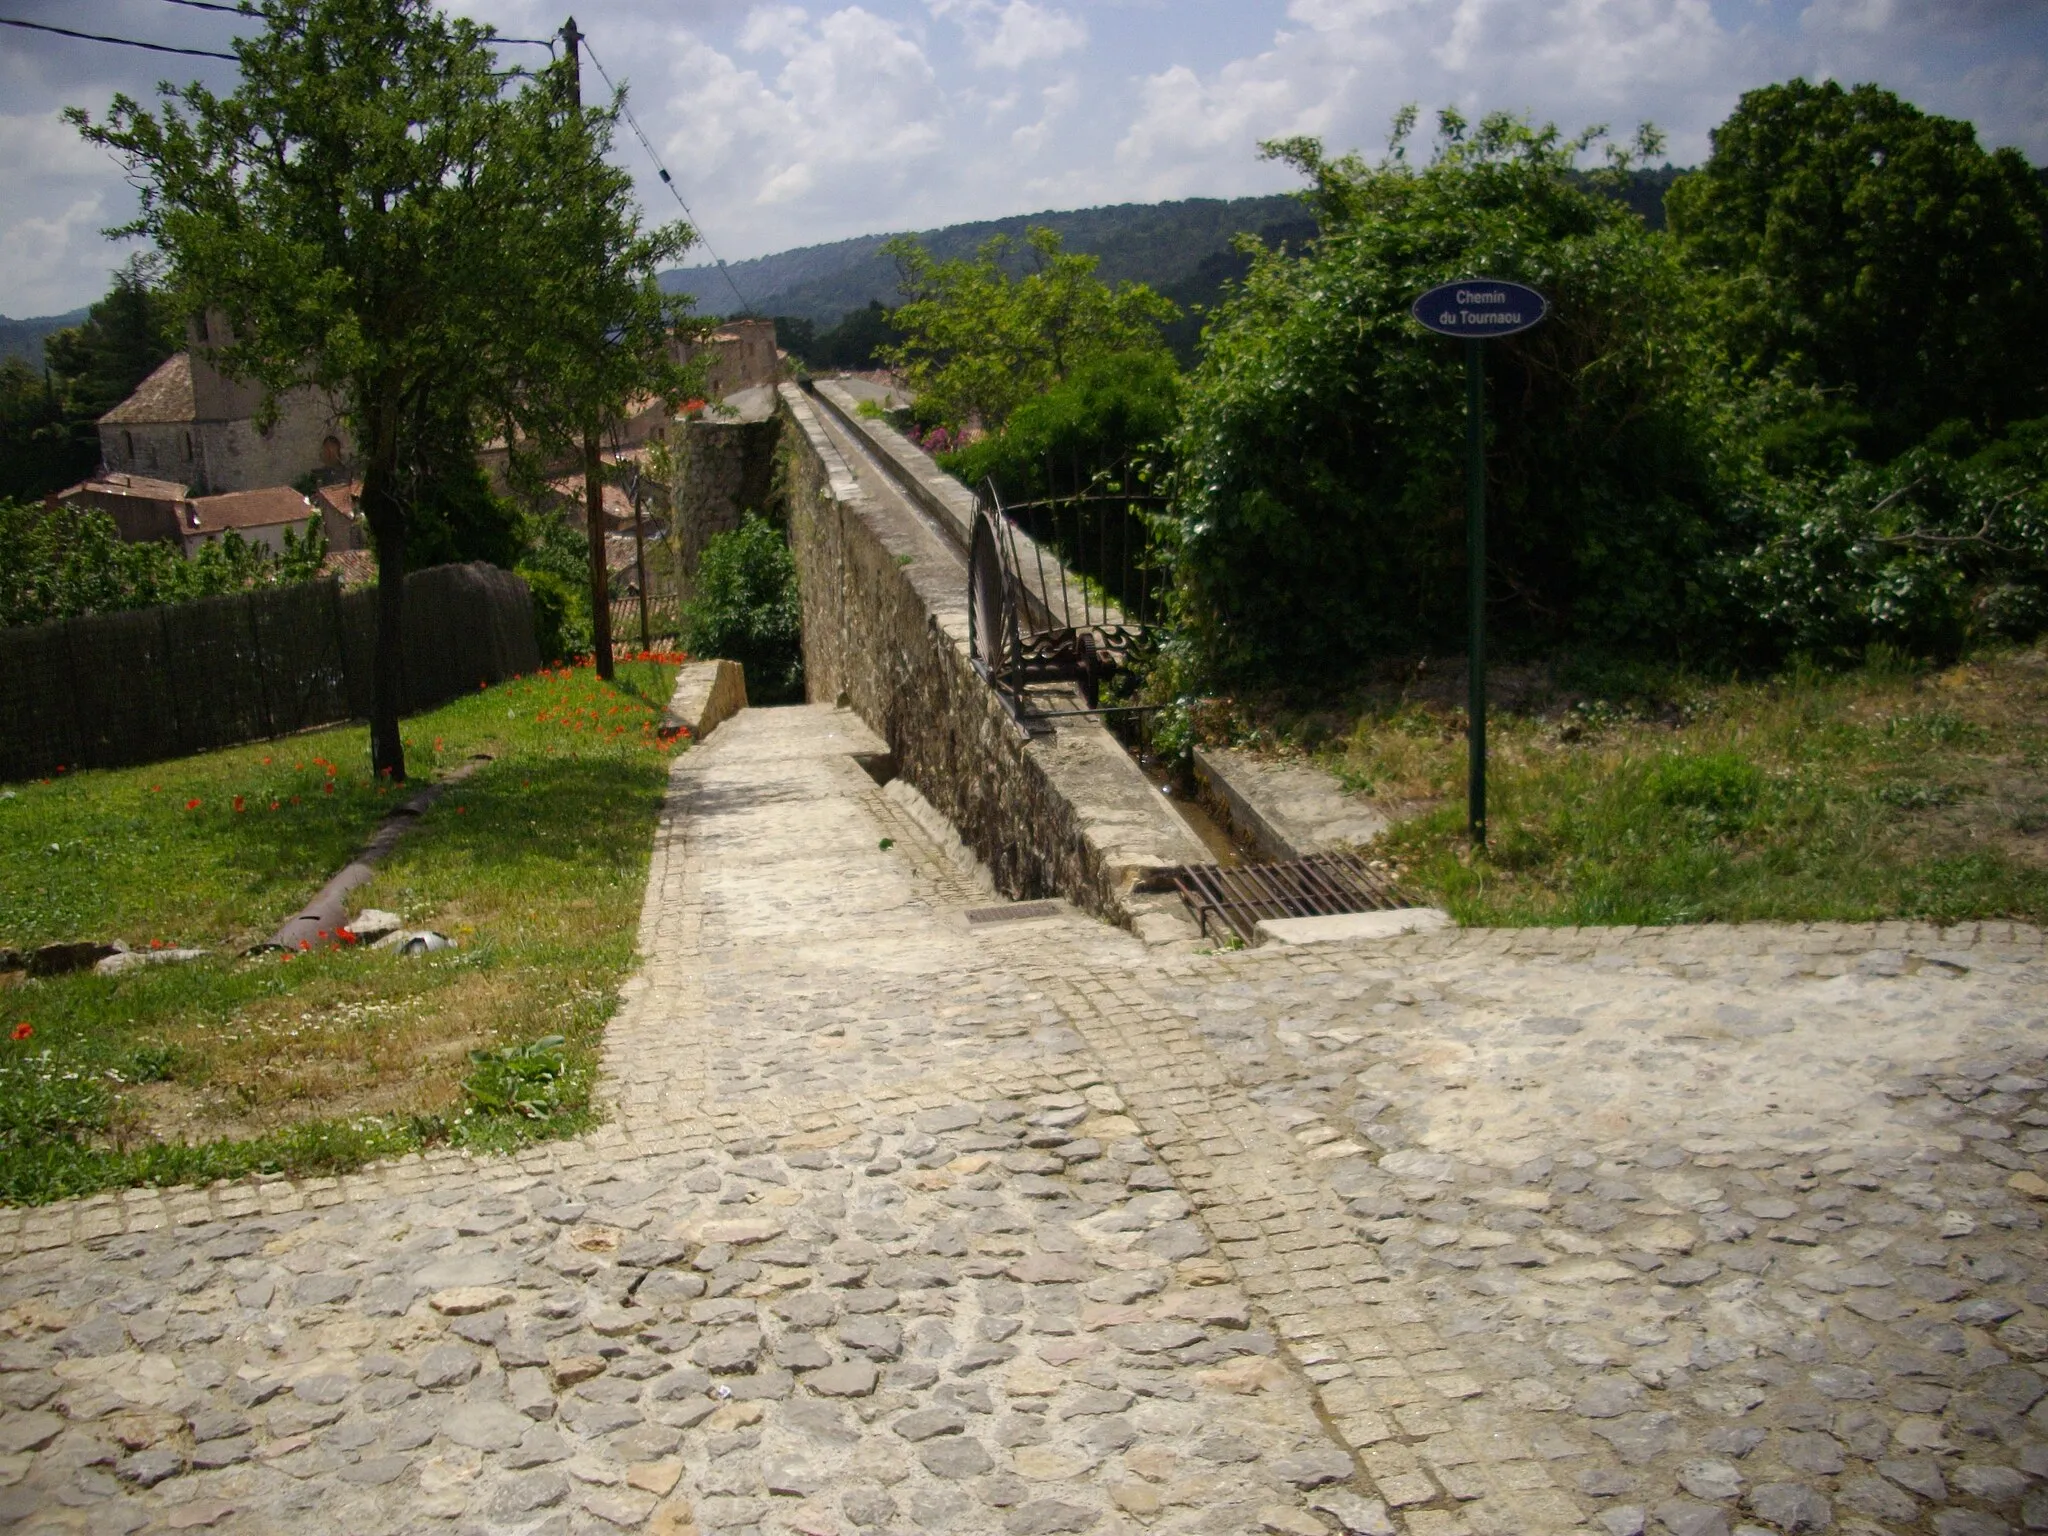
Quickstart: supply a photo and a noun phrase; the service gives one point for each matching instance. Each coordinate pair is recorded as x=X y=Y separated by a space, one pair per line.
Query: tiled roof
x=342 y=498
x=266 y=508
x=165 y=395
x=127 y=485
x=355 y=567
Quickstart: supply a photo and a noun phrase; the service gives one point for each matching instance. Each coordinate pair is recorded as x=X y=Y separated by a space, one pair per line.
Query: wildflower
x=22 y=1030
x=156 y=943
x=328 y=787
x=191 y=805
x=304 y=945
x=347 y=936
x=238 y=805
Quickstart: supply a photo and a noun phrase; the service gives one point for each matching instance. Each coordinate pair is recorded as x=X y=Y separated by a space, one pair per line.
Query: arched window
x=330 y=453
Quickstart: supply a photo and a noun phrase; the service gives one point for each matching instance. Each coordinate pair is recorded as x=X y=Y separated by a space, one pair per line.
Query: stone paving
x=905 y=1222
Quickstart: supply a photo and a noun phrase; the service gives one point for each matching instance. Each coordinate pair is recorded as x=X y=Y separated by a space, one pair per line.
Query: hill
x=1181 y=248
x=24 y=338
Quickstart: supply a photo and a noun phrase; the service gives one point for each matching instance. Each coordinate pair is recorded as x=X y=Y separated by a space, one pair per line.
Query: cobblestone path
x=906 y=1223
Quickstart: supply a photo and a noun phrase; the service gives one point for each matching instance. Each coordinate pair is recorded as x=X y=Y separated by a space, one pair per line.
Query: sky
x=790 y=124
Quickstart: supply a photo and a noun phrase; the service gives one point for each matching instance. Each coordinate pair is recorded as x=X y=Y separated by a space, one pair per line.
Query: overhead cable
x=123 y=42
x=214 y=5
x=667 y=180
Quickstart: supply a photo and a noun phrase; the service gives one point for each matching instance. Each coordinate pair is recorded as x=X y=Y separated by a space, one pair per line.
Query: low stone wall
x=706 y=693
x=885 y=632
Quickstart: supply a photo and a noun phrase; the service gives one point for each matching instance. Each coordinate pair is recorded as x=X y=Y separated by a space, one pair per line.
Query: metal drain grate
x=1014 y=914
x=1318 y=886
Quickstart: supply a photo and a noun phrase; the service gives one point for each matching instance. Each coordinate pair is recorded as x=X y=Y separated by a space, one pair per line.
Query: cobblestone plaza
x=902 y=1223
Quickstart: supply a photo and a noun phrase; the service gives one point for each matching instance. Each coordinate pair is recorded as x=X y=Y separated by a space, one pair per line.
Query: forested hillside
x=24 y=338
x=1181 y=249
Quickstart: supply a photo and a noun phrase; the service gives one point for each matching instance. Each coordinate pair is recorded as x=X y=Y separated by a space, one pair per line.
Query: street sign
x=1480 y=308
x=1475 y=310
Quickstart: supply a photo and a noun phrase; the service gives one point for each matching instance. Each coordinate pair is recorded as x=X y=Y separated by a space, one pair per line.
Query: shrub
x=1320 y=483
x=1925 y=555
x=1110 y=414
x=746 y=610
x=561 y=614
x=69 y=562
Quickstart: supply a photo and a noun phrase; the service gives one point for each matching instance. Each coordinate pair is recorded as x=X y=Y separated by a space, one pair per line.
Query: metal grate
x=1321 y=885
x=1014 y=914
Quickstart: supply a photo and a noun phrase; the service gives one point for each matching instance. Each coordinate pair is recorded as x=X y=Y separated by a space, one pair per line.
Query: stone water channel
x=910 y=1220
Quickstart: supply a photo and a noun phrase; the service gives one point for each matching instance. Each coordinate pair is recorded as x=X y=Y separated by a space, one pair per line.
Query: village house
x=145 y=509
x=190 y=423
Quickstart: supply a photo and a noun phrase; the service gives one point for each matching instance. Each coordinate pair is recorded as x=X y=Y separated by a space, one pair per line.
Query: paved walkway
x=906 y=1222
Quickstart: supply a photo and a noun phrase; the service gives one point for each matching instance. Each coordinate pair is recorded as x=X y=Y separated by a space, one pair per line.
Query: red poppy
x=238 y=805
x=191 y=805
x=22 y=1030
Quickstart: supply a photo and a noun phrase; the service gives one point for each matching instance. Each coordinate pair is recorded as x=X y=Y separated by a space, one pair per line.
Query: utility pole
x=640 y=559
x=593 y=474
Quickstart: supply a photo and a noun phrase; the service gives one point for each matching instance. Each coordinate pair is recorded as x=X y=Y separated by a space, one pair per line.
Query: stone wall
x=885 y=631
x=723 y=470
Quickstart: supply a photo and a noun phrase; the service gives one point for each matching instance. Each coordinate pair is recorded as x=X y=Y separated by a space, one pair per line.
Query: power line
x=124 y=42
x=210 y=5
x=668 y=181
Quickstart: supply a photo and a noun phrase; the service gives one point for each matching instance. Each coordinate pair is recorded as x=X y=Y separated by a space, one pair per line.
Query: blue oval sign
x=1480 y=307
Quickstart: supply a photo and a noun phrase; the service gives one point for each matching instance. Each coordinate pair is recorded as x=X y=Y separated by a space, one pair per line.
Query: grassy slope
x=536 y=864
x=1872 y=795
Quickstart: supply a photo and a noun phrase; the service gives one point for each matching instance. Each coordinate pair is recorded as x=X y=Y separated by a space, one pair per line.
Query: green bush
x=561 y=614
x=1320 y=479
x=746 y=610
x=1111 y=413
x=70 y=562
x=1926 y=555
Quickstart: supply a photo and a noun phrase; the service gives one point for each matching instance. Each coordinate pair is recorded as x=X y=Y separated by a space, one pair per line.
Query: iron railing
x=1062 y=589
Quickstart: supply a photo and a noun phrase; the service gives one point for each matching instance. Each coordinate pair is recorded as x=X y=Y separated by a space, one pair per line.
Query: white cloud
x=1015 y=33
x=794 y=122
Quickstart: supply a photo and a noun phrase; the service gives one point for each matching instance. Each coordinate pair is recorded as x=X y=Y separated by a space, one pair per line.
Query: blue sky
x=789 y=123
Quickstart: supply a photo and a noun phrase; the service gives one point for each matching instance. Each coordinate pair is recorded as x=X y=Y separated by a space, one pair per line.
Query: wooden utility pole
x=593 y=472
x=640 y=559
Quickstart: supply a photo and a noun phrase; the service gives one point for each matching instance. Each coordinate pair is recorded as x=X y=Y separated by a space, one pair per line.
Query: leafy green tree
x=977 y=342
x=125 y=337
x=596 y=333
x=40 y=448
x=1878 y=252
x=364 y=208
x=1319 y=515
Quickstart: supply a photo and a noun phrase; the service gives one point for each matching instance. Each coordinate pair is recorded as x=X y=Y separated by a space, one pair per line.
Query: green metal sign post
x=1477 y=310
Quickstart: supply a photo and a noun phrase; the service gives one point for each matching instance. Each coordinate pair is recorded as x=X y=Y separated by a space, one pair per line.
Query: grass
x=1619 y=799
x=318 y=1062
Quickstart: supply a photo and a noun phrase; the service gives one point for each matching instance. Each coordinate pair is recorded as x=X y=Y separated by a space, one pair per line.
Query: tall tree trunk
x=600 y=584
x=387 y=527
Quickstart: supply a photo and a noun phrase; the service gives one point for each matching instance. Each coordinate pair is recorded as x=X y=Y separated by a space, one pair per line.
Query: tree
x=1319 y=488
x=1876 y=251
x=125 y=337
x=977 y=342
x=596 y=331
x=361 y=211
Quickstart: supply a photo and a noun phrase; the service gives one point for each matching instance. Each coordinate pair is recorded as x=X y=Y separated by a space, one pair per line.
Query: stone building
x=190 y=423
x=742 y=356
